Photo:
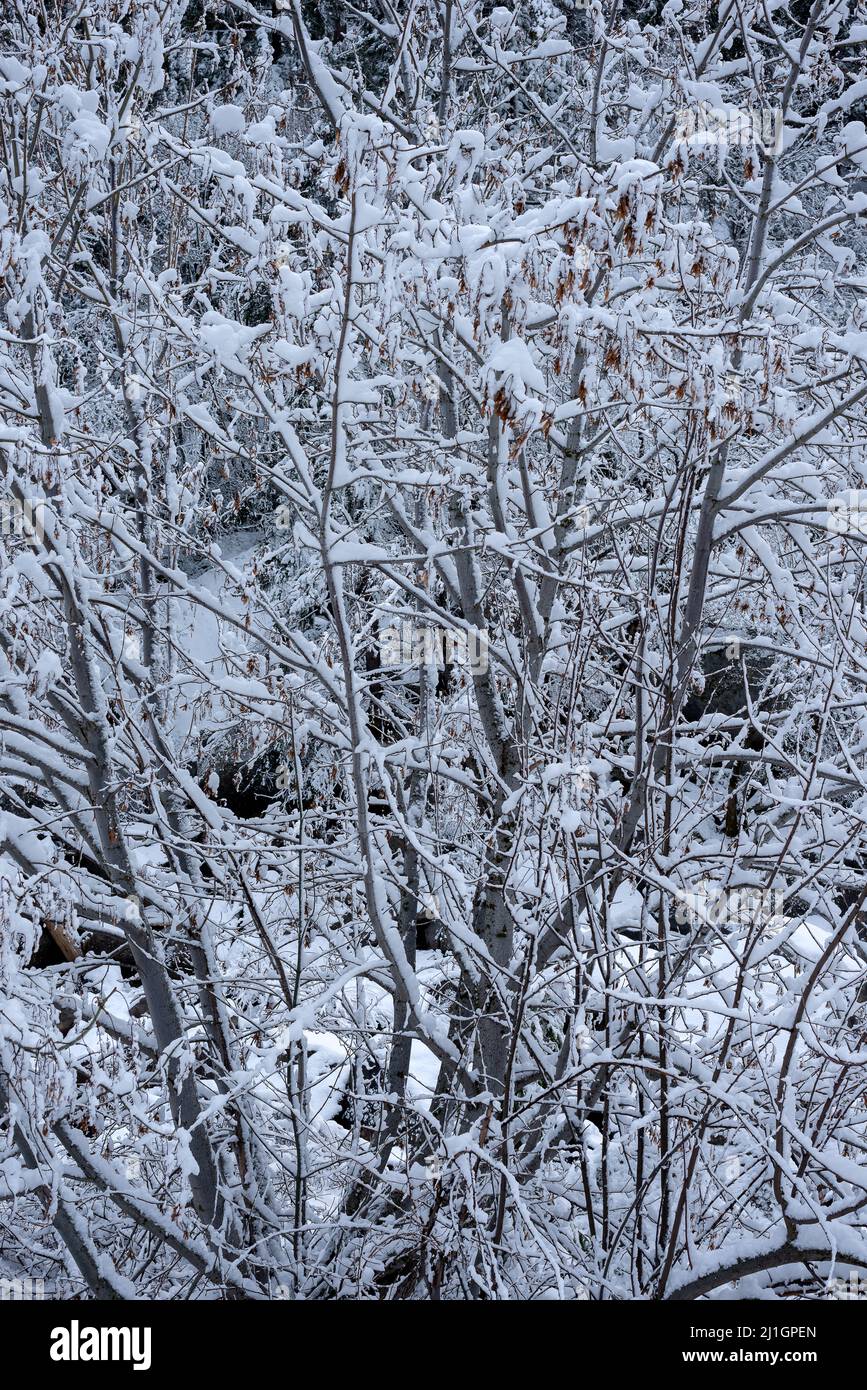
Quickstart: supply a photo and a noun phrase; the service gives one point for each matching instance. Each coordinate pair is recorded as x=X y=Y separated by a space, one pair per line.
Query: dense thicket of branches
x=433 y=737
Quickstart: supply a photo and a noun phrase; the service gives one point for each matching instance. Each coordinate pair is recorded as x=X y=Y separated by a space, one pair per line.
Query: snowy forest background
x=433 y=654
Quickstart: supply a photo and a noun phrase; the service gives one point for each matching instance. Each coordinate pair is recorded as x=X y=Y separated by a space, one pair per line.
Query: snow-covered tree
x=433 y=733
